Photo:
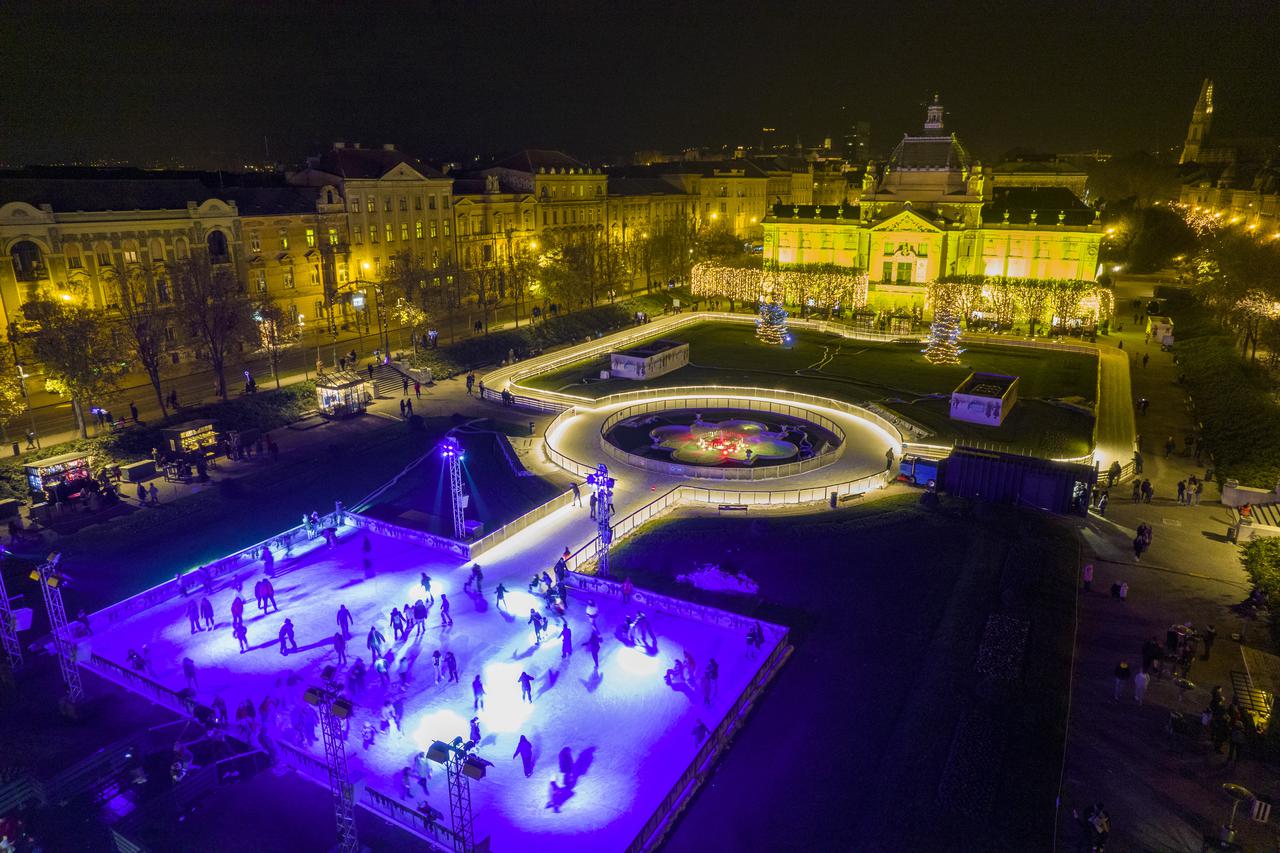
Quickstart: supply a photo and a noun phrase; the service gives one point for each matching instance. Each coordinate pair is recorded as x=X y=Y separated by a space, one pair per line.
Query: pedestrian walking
x=1169 y=445
x=1102 y=503
x=206 y=613
x=526 y=688
x=242 y=636
x=340 y=647
x=417 y=390
x=344 y=621
x=1124 y=591
x=286 y=636
x=1087 y=574
x=1236 y=741
x=1121 y=677
x=445 y=618
x=1137 y=491
x=593 y=646
x=1182 y=492
x=1207 y=636
x=1137 y=462
x=628 y=589
x=577 y=494
x=1145 y=359
x=477 y=691
x=1195 y=494
x=566 y=642
x=435 y=662
x=593 y=501
x=593 y=610
x=193 y=615
x=500 y=597
x=189 y=672
x=404 y=384
x=1140 y=682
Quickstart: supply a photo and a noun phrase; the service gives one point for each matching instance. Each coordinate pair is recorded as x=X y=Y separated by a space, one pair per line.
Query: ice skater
x=445 y=618
x=524 y=751
x=407 y=613
x=566 y=642
x=242 y=636
x=419 y=618
x=237 y=610
x=535 y=619
x=206 y=613
x=193 y=615
x=257 y=595
x=526 y=687
x=593 y=645
x=268 y=560
x=474 y=734
x=425 y=580
x=710 y=678
x=500 y=597
x=474 y=579
x=345 y=621
x=435 y=662
x=269 y=595
x=286 y=635
x=375 y=643
x=397 y=623
x=477 y=691
x=189 y=673
x=451 y=664
x=340 y=646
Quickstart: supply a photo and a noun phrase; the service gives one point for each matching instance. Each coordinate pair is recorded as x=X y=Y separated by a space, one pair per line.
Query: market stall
x=66 y=475
x=343 y=393
x=191 y=440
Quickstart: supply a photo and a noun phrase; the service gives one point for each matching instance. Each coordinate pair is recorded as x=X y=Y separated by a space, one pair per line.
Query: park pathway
x=1114 y=429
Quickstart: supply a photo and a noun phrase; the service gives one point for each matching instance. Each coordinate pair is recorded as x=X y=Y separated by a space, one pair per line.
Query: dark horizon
x=212 y=84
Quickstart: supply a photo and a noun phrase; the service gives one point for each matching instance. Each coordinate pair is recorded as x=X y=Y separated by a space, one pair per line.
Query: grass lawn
x=895 y=375
x=852 y=743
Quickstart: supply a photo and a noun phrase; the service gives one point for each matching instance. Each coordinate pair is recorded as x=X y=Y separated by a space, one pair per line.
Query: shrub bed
x=1261 y=559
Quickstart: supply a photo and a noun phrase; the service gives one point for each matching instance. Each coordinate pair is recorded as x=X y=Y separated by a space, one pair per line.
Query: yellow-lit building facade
x=930 y=212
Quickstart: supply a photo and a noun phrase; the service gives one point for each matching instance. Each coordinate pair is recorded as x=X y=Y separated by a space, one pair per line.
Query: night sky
x=205 y=82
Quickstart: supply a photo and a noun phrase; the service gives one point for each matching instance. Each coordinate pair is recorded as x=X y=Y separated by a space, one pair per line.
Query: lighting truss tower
x=462 y=767
x=603 y=485
x=9 y=630
x=452 y=453
x=334 y=708
x=51 y=581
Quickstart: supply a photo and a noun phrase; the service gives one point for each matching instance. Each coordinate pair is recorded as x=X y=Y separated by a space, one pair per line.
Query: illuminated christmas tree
x=943 y=346
x=771 y=327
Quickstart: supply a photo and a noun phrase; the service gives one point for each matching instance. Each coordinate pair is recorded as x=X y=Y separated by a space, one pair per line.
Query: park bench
x=733 y=507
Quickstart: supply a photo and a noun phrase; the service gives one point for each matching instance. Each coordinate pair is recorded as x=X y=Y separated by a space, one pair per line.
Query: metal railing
x=390 y=808
x=506 y=531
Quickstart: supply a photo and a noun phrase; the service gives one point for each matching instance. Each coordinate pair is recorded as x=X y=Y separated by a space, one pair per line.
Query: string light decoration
x=943 y=346
x=771 y=327
x=825 y=286
x=1006 y=299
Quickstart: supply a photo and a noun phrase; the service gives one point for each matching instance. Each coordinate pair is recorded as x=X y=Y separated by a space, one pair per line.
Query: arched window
x=28 y=265
x=328 y=196
x=71 y=251
x=157 y=250
x=217 y=243
x=181 y=250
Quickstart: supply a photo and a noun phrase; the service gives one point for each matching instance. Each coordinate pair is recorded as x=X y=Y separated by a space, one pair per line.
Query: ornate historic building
x=931 y=211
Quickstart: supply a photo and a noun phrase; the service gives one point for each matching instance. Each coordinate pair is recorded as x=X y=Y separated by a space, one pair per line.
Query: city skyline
x=264 y=84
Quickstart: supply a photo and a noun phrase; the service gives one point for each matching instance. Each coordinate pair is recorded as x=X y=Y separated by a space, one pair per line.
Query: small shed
x=1160 y=329
x=343 y=393
x=649 y=360
x=56 y=471
x=192 y=439
x=984 y=398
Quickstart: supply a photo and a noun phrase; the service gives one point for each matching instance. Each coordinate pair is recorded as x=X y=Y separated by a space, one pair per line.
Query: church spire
x=933 y=118
x=1201 y=119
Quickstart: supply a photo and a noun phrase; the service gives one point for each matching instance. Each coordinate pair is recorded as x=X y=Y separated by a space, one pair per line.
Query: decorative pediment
x=403 y=172
x=907 y=220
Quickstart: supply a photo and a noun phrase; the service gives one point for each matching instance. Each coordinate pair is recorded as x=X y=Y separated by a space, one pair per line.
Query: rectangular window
x=435 y=258
x=391 y=234
x=431 y=202
x=311 y=238
x=284 y=240
x=369 y=205
x=355 y=204
x=357 y=235
x=130 y=256
x=486 y=253
x=417 y=202
x=433 y=230
x=373 y=233
x=255 y=244
x=333 y=236
x=404 y=204
x=386 y=204
x=446 y=202
x=904 y=273
x=404 y=231
x=447 y=227
x=162 y=290
x=342 y=272
x=417 y=229
x=73 y=261
x=288 y=277
x=260 y=280
x=315 y=276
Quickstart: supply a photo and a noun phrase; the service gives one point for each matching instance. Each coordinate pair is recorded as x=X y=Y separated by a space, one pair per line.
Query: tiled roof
x=70 y=195
x=267 y=201
x=624 y=186
x=531 y=160
x=813 y=211
x=944 y=153
x=1046 y=202
x=369 y=163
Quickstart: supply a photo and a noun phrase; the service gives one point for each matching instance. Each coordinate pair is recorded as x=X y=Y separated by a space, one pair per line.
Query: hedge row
x=1261 y=559
x=266 y=410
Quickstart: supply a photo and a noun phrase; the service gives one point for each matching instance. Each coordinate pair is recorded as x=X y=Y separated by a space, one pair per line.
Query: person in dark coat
x=206 y=613
x=286 y=635
x=566 y=642
x=269 y=595
x=340 y=646
x=524 y=751
x=193 y=615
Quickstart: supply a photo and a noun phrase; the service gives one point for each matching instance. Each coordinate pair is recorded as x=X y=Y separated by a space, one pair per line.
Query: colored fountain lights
x=711 y=443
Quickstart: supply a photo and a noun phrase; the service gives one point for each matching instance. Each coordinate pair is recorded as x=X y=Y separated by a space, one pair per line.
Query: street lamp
x=603 y=485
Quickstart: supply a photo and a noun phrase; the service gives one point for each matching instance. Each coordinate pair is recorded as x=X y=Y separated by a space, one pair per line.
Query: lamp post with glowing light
x=603 y=485
x=334 y=709
x=451 y=452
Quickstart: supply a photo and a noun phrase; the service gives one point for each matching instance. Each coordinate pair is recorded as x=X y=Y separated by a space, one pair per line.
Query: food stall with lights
x=191 y=440
x=67 y=475
x=343 y=393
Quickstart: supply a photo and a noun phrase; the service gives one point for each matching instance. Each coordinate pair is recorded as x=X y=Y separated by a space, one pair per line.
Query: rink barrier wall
x=391 y=809
x=139 y=683
x=763 y=472
x=511 y=528
x=408 y=534
x=652 y=834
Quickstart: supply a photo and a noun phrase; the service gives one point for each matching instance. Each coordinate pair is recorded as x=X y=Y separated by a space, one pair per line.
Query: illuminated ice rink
x=630 y=734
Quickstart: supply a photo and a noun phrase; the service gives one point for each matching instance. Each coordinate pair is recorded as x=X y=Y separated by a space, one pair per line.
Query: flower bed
x=1004 y=644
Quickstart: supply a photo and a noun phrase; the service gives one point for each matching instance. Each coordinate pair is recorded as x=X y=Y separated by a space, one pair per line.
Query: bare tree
x=144 y=319
x=278 y=329
x=77 y=349
x=213 y=298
